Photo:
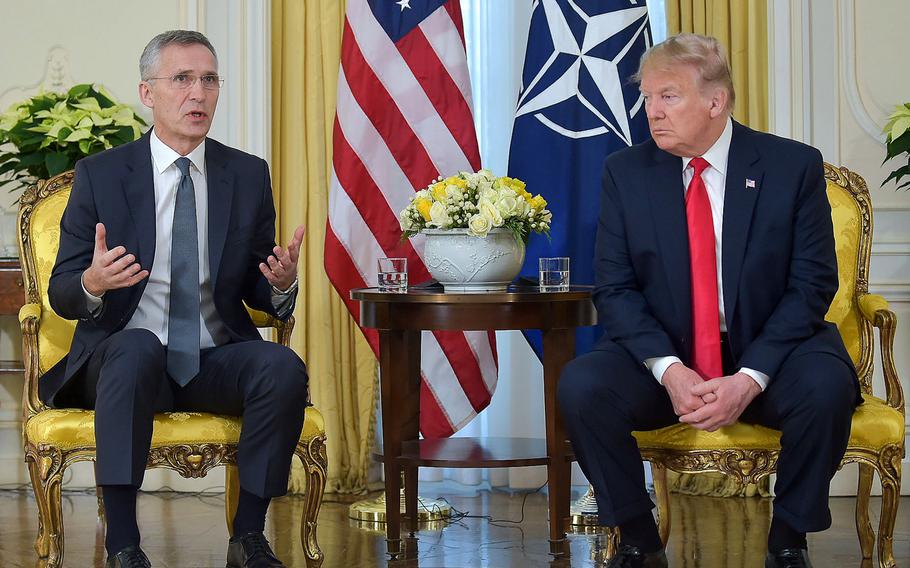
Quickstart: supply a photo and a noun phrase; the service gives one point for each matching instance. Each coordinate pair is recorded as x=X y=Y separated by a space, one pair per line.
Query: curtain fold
x=306 y=47
x=741 y=26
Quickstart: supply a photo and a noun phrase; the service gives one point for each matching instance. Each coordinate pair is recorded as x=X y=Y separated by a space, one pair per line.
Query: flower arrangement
x=898 y=131
x=52 y=131
x=478 y=202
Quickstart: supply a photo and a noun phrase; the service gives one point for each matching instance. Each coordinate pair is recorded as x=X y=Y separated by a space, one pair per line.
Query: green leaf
x=897 y=174
x=56 y=163
x=898 y=146
x=85 y=146
x=79 y=91
x=10 y=167
x=31 y=159
x=89 y=104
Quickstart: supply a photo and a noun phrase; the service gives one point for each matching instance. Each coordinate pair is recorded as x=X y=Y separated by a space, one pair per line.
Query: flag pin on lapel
x=750 y=183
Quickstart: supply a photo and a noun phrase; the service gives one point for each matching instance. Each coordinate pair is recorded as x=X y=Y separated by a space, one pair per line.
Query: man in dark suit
x=715 y=266
x=161 y=243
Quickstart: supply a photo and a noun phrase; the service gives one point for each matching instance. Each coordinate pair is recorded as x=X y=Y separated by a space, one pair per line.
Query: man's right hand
x=679 y=380
x=110 y=269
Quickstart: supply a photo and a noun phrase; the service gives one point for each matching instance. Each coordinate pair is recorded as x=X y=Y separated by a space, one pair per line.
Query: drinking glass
x=393 y=275
x=554 y=274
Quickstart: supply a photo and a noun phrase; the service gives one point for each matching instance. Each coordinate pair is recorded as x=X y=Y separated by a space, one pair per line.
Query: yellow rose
x=439 y=191
x=423 y=207
x=538 y=202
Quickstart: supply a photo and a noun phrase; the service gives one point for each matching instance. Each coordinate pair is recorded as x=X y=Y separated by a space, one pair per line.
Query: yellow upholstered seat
x=878 y=427
x=191 y=443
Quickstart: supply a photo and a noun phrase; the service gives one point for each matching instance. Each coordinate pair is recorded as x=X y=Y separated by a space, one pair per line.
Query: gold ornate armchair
x=876 y=444
x=190 y=443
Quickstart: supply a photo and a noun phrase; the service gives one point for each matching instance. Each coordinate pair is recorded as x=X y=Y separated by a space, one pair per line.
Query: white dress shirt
x=715 y=178
x=154 y=305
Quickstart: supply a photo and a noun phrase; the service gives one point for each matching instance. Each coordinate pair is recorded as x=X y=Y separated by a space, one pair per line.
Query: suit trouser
x=126 y=383
x=605 y=395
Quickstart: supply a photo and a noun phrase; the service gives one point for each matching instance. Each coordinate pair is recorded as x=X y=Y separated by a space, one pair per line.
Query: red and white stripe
x=403 y=118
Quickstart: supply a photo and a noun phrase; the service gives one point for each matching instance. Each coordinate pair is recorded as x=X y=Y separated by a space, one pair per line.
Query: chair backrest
x=851 y=212
x=40 y=210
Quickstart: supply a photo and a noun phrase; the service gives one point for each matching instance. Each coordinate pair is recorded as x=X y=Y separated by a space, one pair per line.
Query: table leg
x=399 y=366
x=558 y=349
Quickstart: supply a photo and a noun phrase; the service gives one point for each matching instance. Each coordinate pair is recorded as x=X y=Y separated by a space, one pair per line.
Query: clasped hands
x=708 y=405
x=115 y=268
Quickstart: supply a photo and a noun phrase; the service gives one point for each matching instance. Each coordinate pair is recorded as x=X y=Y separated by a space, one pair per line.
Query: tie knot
x=699 y=165
x=183 y=164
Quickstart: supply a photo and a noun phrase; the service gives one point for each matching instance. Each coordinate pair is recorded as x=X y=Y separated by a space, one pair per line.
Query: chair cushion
x=875 y=424
x=72 y=428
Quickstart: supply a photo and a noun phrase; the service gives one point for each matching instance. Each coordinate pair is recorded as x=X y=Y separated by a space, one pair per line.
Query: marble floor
x=188 y=530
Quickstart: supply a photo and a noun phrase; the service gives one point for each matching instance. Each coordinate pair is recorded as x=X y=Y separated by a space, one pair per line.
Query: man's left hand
x=734 y=393
x=280 y=268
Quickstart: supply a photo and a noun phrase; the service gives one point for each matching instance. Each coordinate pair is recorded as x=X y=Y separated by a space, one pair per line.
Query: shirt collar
x=163 y=156
x=717 y=154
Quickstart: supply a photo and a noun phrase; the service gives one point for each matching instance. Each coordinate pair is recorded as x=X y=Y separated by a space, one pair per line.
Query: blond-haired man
x=715 y=266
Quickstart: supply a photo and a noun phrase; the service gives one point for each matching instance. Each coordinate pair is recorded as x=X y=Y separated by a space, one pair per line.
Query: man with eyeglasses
x=162 y=242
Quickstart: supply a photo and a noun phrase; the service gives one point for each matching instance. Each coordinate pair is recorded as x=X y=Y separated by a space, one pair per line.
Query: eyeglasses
x=185 y=81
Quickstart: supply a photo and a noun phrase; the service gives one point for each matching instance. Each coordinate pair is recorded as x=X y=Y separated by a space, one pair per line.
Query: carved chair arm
x=29 y=320
x=876 y=310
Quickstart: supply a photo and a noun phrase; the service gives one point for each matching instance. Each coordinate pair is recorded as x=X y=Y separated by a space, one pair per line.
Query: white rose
x=521 y=208
x=438 y=215
x=488 y=210
x=479 y=226
x=507 y=205
x=407 y=224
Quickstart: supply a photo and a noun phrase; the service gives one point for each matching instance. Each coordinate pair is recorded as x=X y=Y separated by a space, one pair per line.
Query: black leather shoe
x=632 y=557
x=788 y=558
x=129 y=557
x=251 y=551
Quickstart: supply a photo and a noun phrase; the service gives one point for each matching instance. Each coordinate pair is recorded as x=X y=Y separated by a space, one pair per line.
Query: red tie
x=706 y=356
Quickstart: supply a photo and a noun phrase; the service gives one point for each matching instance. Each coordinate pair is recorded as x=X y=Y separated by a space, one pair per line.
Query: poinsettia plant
x=898 y=142
x=48 y=133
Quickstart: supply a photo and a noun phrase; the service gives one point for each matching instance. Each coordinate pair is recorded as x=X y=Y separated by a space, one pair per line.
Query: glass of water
x=554 y=274
x=393 y=275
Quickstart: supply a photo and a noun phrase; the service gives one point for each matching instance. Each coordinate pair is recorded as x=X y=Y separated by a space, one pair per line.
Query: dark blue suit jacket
x=778 y=257
x=116 y=187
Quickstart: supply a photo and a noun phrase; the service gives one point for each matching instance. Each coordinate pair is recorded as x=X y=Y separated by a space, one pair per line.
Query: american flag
x=403 y=118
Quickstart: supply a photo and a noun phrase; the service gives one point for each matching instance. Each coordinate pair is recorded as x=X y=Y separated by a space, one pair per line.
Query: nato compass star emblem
x=579 y=90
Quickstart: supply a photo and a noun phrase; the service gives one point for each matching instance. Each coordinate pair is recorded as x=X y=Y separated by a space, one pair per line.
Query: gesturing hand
x=110 y=269
x=734 y=393
x=280 y=268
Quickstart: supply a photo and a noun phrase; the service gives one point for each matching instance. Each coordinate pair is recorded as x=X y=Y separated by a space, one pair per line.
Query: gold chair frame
x=751 y=465
x=47 y=463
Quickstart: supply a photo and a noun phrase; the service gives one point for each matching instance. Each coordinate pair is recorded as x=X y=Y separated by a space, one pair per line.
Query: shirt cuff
x=283 y=301
x=757 y=376
x=92 y=301
x=659 y=365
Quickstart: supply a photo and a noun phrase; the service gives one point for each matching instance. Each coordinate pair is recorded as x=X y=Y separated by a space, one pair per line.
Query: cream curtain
x=742 y=28
x=306 y=47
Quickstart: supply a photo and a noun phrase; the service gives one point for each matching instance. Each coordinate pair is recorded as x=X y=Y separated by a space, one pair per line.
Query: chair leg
x=863 y=526
x=313 y=456
x=890 y=471
x=46 y=481
x=231 y=496
x=659 y=473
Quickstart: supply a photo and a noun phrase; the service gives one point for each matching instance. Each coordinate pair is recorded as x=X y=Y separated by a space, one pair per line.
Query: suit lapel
x=220 y=182
x=139 y=191
x=668 y=208
x=744 y=177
